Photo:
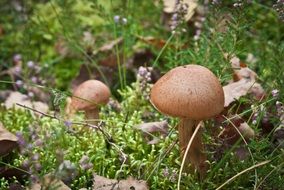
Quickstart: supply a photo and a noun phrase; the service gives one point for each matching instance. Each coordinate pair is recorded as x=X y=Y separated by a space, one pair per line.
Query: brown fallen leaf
x=8 y=141
x=235 y=90
x=9 y=173
x=18 y=98
x=241 y=71
x=148 y=130
x=102 y=183
x=4 y=95
x=49 y=182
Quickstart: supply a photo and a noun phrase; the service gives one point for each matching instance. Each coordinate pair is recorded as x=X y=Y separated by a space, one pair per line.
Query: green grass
x=254 y=28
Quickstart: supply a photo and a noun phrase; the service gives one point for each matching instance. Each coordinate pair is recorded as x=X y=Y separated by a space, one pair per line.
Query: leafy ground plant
x=49 y=47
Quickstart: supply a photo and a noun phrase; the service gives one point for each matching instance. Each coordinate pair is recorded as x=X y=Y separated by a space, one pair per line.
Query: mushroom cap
x=190 y=91
x=90 y=95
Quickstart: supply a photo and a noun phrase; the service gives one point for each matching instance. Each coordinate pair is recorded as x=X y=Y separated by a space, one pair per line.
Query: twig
x=37 y=111
x=98 y=127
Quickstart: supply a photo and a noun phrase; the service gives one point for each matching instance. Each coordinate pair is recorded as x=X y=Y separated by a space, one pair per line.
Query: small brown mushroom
x=192 y=93
x=88 y=97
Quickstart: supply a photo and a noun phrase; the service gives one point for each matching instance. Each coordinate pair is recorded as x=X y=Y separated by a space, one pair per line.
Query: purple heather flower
x=30 y=64
x=116 y=18
x=85 y=163
x=26 y=163
x=34 y=178
x=34 y=79
x=166 y=172
x=84 y=159
x=17 y=58
x=19 y=83
x=21 y=140
x=29 y=146
x=38 y=166
x=86 y=166
x=17 y=70
x=38 y=142
x=36 y=157
x=174 y=175
x=68 y=123
x=275 y=93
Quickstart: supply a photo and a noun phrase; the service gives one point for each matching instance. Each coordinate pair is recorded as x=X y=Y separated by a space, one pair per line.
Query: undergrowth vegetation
x=68 y=42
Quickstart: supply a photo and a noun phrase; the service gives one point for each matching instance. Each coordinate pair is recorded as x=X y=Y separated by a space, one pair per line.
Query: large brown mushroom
x=88 y=97
x=192 y=93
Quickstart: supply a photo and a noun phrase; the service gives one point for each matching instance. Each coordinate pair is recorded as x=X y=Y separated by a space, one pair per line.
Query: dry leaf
x=102 y=183
x=148 y=130
x=17 y=97
x=8 y=141
x=9 y=173
x=241 y=88
x=4 y=95
x=49 y=182
x=241 y=71
x=170 y=7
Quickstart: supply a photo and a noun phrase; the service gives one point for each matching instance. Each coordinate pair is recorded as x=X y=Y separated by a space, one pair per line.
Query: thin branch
x=97 y=127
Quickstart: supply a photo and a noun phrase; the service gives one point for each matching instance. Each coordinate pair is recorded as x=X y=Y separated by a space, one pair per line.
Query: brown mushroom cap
x=89 y=95
x=189 y=91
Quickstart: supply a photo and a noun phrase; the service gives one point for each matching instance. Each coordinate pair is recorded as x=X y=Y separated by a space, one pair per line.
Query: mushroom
x=88 y=97
x=191 y=93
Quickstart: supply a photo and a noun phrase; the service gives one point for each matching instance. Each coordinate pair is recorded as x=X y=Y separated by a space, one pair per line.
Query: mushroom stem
x=92 y=115
x=196 y=156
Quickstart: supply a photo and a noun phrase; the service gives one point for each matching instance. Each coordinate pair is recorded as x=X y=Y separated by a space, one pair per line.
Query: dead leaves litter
x=102 y=183
x=8 y=141
x=244 y=83
x=148 y=130
x=18 y=98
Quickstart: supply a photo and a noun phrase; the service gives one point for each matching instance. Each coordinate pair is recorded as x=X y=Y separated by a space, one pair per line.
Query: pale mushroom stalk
x=196 y=155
